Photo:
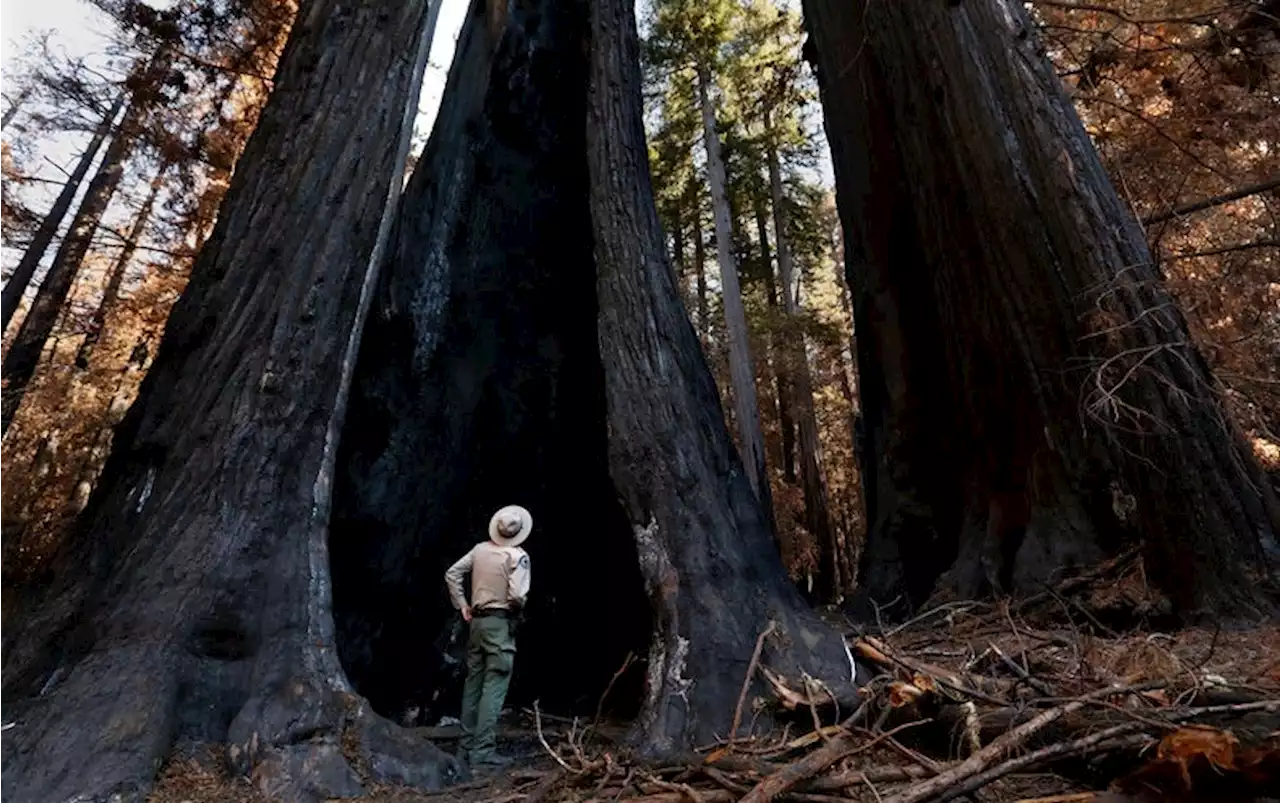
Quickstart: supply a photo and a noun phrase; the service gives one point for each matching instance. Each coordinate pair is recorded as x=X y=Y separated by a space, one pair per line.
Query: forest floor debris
x=1064 y=697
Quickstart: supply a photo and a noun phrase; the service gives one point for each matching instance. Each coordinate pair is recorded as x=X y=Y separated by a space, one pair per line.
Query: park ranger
x=499 y=586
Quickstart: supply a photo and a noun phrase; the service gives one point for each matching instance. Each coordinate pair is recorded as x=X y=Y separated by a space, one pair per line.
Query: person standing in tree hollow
x=499 y=586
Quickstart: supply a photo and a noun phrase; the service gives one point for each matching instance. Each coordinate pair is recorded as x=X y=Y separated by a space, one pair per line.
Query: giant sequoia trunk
x=192 y=600
x=479 y=385
x=1031 y=394
x=710 y=565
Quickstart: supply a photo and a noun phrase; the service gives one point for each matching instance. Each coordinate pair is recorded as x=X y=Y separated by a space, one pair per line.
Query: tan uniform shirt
x=499 y=577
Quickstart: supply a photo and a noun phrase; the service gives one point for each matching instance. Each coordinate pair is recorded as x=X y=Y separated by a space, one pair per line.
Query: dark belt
x=501 y=613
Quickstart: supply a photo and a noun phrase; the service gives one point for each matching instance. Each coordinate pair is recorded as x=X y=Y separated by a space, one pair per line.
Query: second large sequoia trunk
x=1031 y=393
x=712 y=571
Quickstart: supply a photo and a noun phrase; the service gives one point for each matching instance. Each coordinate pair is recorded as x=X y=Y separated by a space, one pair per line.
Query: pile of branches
x=970 y=699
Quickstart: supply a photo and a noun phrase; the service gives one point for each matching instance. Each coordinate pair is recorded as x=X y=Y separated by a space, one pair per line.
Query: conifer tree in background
x=694 y=37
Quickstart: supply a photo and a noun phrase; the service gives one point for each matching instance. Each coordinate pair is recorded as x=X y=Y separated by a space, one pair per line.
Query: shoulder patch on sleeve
x=523 y=563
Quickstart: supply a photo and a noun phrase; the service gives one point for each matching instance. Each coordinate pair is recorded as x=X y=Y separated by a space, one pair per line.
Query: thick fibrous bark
x=709 y=561
x=741 y=367
x=191 y=602
x=479 y=385
x=17 y=284
x=1025 y=377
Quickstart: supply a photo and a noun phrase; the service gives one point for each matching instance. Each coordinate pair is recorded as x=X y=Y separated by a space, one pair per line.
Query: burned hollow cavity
x=479 y=384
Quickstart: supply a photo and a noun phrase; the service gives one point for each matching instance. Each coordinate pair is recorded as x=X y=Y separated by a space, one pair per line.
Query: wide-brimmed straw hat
x=511 y=514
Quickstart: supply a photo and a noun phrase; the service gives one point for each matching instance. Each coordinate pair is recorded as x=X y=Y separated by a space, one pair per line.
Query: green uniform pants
x=491 y=653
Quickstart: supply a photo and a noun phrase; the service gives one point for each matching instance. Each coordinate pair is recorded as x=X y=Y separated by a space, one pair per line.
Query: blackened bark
x=1012 y=328
x=781 y=380
x=479 y=385
x=115 y=276
x=29 y=342
x=191 y=601
x=17 y=284
x=709 y=561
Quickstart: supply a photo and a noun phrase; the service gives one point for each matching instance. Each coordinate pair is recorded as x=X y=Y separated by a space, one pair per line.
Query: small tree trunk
x=677 y=245
x=700 y=271
x=115 y=276
x=781 y=380
x=192 y=599
x=709 y=560
x=16 y=287
x=15 y=106
x=1022 y=365
x=28 y=344
x=830 y=582
x=741 y=367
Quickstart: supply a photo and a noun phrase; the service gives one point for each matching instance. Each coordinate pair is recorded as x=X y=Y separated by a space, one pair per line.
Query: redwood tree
x=479 y=385
x=192 y=600
x=709 y=562
x=1031 y=394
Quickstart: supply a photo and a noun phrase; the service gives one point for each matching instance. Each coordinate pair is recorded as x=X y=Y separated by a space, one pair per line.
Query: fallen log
x=798 y=771
x=982 y=760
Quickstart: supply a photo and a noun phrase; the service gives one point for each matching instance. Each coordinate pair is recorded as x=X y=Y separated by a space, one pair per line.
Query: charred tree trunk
x=16 y=287
x=1011 y=323
x=28 y=344
x=781 y=379
x=10 y=112
x=741 y=367
x=708 y=557
x=479 y=385
x=115 y=276
x=192 y=600
x=830 y=582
